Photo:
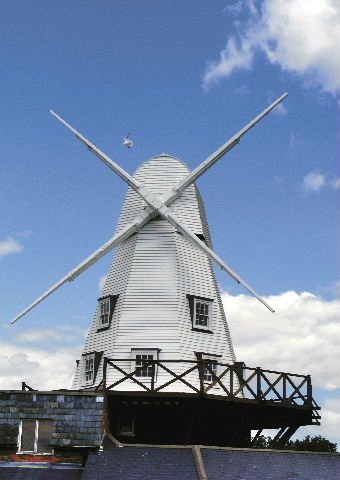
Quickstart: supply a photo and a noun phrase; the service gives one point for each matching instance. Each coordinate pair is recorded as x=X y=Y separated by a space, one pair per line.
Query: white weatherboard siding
x=153 y=272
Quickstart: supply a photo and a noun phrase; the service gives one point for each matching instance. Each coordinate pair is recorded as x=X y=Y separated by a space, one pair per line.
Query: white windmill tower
x=159 y=332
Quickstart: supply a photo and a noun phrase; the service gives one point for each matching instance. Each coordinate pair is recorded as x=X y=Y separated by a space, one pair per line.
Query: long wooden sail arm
x=102 y=156
x=168 y=215
x=90 y=260
x=219 y=153
x=157 y=204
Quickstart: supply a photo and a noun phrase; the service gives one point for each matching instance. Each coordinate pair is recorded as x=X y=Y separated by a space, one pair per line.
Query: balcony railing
x=233 y=382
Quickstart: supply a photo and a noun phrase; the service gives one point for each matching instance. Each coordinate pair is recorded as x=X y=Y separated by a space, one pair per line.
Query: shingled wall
x=77 y=416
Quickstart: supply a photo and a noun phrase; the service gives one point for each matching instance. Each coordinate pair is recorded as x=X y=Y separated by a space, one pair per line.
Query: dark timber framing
x=245 y=384
x=248 y=399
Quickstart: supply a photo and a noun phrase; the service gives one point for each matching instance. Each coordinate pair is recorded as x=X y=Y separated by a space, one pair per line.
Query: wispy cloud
x=44 y=335
x=294 y=140
x=280 y=109
x=335 y=183
x=9 y=246
x=316 y=181
x=303 y=37
x=242 y=91
x=234 y=56
x=101 y=282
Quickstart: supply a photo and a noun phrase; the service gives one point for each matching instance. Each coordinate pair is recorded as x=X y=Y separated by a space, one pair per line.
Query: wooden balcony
x=235 y=382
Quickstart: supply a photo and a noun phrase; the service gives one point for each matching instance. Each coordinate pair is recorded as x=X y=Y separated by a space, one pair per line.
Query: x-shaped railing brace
x=156 y=206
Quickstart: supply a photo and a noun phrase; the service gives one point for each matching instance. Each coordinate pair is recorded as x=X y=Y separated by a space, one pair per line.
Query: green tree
x=312 y=444
x=309 y=444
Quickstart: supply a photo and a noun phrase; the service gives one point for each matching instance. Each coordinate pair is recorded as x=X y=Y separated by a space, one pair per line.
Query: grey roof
x=39 y=471
x=156 y=463
x=141 y=463
x=270 y=465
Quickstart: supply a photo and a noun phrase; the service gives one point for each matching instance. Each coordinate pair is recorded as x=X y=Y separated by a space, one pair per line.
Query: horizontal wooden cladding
x=152 y=272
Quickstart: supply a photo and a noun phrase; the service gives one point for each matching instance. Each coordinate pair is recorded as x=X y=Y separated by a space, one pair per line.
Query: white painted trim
x=36 y=434
x=85 y=357
x=19 y=436
x=143 y=351
x=100 y=323
x=212 y=356
x=206 y=302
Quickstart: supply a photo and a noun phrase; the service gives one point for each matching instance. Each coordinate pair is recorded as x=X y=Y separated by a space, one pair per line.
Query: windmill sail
x=155 y=276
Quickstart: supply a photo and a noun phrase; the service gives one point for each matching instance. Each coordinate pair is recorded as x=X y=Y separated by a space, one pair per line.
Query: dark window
x=36 y=436
x=106 y=308
x=45 y=436
x=143 y=362
x=28 y=432
x=143 y=366
x=201 y=311
x=208 y=372
x=126 y=425
x=89 y=368
x=90 y=365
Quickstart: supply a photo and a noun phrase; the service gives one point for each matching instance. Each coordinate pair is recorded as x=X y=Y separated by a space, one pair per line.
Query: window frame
x=35 y=450
x=193 y=300
x=112 y=300
x=96 y=357
x=126 y=433
x=213 y=357
x=88 y=357
x=144 y=351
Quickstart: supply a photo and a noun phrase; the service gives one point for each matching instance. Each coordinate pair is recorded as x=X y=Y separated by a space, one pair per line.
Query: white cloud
x=280 y=109
x=9 y=246
x=101 y=282
x=232 y=57
x=303 y=37
x=43 y=335
x=235 y=8
x=330 y=422
x=316 y=181
x=294 y=141
x=41 y=368
x=335 y=183
x=242 y=91
x=301 y=337
x=313 y=182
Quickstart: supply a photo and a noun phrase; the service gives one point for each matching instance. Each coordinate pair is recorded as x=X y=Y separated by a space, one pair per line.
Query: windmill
x=159 y=342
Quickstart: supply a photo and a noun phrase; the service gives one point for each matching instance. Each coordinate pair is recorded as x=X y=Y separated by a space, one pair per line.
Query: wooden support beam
x=196 y=451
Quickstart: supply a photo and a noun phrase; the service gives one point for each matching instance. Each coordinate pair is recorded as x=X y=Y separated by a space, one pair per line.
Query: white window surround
x=36 y=439
x=207 y=376
x=139 y=363
x=104 y=311
x=88 y=369
x=202 y=315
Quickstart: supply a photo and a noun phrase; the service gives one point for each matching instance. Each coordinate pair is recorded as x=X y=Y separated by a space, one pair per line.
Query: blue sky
x=183 y=77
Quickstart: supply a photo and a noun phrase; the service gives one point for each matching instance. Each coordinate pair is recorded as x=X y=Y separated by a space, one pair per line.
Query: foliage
x=310 y=444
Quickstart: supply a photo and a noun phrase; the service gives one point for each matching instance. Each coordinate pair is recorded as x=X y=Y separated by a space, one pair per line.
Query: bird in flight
x=127 y=141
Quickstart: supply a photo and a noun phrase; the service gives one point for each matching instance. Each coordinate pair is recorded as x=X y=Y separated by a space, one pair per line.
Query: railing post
x=104 y=373
x=309 y=391
x=284 y=388
x=153 y=376
x=200 y=365
x=258 y=384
